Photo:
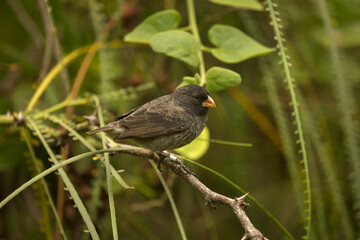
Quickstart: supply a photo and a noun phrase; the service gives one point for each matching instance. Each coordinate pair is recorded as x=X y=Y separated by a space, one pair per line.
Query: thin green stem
x=187 y=28
x=26 y=135
x=108 y=174
x=66 y=103
x=228 y=143
x=279 y=114
x=171 y=200
x=206 y=49
x=72 y=131
x=74 y=194
x=6 y=119
x=195 y=31
x=53 y=169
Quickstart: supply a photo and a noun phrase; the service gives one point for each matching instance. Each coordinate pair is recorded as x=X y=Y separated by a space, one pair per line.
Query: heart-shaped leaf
x=177 y=44
x=197 y=148
x=221 y=78
x=244 y=4
x=233 y=45
x=155 y=23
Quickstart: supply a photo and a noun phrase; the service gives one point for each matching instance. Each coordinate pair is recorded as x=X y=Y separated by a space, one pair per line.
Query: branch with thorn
x=238 y=205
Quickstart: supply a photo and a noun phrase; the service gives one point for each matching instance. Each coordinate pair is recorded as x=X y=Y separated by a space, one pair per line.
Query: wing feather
x=125 y=114
x=153 y=120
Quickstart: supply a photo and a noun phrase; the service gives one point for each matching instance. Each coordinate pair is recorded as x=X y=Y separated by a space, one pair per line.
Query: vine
x=290 y=82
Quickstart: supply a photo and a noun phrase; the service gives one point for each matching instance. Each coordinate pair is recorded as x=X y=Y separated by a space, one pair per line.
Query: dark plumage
x=167 y=122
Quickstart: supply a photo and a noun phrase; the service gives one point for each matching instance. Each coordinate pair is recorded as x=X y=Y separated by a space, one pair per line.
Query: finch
x=165 y=123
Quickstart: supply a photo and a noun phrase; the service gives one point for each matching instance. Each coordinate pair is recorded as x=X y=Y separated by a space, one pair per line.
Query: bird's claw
x=160 y=156
x=173 y=159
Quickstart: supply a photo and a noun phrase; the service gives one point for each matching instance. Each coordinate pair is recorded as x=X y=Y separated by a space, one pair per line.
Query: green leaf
x=186 y=81
x=197 y=148
x=245 y=4
x=221 y=78
x=177 y=44
x=190 y=80
x=233 y=45
x=155 y=23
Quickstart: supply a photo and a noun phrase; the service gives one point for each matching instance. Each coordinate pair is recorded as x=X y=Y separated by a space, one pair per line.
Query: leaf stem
x=290 y=81
x=195 y=31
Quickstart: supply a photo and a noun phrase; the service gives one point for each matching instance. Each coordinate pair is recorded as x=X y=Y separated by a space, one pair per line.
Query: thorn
x=93 y=118
x=242 y=197
x=18 y=118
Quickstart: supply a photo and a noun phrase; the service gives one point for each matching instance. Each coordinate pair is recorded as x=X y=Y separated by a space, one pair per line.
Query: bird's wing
x=126 y=114
x=152 y=121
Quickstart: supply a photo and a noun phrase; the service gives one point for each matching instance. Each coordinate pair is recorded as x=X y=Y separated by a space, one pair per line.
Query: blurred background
x=323 y=43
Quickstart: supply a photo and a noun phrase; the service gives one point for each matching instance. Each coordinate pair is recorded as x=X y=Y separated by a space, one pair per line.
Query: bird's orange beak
x=209 y=103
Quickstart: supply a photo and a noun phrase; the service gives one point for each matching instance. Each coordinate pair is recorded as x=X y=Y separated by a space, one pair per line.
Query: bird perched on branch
x=167 y=122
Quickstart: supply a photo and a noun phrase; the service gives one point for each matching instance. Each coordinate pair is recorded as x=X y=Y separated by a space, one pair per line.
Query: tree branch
x=212 y=198
x=171 y=162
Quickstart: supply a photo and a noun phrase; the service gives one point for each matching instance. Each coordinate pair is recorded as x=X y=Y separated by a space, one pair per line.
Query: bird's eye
x=197 y=98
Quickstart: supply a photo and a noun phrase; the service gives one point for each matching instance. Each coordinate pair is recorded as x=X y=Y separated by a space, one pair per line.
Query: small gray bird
x=167 y=122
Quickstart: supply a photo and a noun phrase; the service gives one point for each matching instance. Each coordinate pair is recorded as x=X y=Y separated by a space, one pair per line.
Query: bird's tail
x=102 y=129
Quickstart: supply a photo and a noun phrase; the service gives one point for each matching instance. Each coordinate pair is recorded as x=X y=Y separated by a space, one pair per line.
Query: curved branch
x=212 y=198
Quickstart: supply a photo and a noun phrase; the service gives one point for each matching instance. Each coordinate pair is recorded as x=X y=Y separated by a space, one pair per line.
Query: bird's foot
x=164 y=154
x=161 y=157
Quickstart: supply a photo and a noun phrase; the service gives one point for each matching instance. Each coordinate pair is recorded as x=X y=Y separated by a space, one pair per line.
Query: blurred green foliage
x=248 y=113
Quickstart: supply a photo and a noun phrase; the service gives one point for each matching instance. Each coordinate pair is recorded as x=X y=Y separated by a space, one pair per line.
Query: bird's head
x=194 y=98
